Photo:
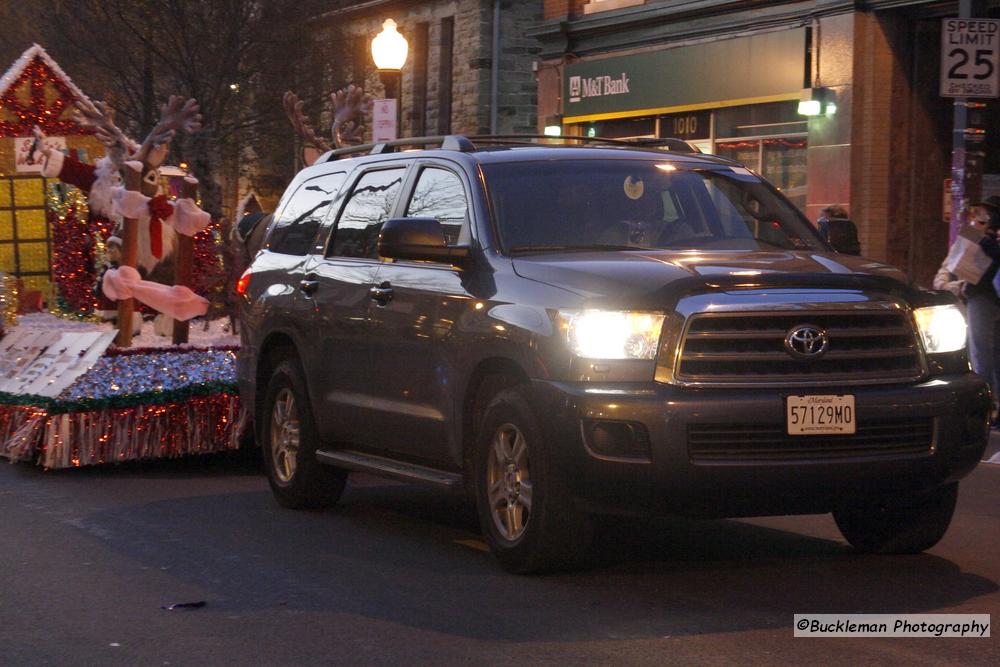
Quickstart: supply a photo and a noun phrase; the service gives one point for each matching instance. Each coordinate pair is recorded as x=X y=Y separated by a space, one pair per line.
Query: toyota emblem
x=807 y=341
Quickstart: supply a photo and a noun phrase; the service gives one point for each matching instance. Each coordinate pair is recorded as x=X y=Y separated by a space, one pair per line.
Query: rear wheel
x=900 y=526
x=526 y=513
x=289 y=444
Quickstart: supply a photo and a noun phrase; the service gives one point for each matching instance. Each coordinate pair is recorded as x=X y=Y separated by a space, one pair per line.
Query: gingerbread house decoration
x=34 y=91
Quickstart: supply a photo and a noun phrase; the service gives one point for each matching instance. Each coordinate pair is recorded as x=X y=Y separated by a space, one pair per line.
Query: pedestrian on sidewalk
x=982 y=302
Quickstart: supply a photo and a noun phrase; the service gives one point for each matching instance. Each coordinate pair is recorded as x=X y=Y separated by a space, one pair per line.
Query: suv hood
x=634 y=274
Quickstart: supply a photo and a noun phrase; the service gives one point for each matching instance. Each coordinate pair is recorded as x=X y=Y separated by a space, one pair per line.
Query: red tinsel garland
x=73 y=257
x=784 y=143
x=207 y=262
x=199 y=425
x=13 y=417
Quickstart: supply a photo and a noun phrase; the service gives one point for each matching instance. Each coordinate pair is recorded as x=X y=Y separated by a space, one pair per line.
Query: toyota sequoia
x=566 y=331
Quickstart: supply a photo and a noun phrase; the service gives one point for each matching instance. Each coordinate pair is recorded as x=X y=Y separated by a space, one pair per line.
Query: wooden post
x=134 y=173
x=184 y=261
x=130 y=255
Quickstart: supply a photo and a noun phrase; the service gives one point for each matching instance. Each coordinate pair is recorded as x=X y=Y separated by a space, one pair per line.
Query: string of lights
x=26 y=99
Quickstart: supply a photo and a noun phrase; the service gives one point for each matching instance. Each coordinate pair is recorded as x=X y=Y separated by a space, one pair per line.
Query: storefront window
x=759 y=119
x=622 y=128
x=781 y=160
x=744 y=152
x=784 y=164
x=771 y=140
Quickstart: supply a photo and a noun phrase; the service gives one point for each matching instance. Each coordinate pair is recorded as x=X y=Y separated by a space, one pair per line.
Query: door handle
x=308 y=286
x=382 y=293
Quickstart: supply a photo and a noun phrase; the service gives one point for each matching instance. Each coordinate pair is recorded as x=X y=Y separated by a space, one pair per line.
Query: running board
x=378 y=465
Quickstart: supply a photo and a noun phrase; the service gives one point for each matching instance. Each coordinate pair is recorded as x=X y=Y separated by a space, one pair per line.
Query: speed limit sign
x=970 y=50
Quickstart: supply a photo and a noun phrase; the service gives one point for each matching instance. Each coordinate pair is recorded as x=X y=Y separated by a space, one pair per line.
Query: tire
x=537 y=531
x=289 y=443
x=903 y=526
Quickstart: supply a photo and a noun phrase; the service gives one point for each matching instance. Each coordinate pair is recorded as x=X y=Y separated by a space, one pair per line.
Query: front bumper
x=674 y=477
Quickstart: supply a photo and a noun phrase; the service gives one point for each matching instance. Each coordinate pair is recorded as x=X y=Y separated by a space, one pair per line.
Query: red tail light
x=243 y=282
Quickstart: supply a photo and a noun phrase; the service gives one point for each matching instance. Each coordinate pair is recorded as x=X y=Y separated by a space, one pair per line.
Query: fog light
x=977 y=430
x=616 y=439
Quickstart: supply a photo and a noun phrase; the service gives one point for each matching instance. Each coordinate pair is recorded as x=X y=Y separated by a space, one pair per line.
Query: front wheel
x=902 y=526
x=289 y=445
x=526 y=513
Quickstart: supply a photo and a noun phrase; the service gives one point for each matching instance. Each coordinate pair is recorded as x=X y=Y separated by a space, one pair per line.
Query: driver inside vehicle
x=636 y=218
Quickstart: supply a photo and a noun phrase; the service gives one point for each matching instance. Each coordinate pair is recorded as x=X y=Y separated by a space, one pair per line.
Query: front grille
x=738 y=348
x=769 y=443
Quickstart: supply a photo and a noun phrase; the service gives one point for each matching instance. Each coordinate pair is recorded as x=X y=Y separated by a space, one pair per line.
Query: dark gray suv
x=576 y=330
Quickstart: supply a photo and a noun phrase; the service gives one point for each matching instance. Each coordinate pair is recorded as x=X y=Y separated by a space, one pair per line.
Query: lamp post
x=389 y=49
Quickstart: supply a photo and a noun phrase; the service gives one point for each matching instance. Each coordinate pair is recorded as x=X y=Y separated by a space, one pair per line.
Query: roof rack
x=452 y=142
x=678 y=145
x=467 y=144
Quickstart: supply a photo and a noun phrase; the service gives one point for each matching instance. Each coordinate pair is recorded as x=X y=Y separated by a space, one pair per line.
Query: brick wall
x=873 y=137
x=931 y=126
x=900 y=143
x=557 y=8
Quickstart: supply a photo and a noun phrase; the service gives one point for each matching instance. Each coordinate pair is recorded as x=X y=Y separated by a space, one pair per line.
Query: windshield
x=639 y=204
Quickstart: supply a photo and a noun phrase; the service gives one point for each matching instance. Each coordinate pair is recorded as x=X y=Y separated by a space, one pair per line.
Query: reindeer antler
x=349 y=108
x=176 y=115
x=101 y=117
x=293 y=109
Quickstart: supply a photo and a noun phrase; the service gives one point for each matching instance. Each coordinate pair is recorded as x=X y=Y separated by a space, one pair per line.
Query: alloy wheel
x=508 y=482
x=284 y=436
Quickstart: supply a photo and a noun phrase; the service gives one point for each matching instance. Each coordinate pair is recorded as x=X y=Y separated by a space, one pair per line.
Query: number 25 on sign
x=969 y=58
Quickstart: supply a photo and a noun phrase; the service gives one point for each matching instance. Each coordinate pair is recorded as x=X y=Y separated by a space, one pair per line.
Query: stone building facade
x=447 y=78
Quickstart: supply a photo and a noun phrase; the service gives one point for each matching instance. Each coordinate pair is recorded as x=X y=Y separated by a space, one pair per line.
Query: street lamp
x=389 y=49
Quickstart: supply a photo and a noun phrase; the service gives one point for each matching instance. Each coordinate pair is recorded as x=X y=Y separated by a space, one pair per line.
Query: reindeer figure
x=101 y=117
x=141 y=174
x=350 y=106
x=139 y=165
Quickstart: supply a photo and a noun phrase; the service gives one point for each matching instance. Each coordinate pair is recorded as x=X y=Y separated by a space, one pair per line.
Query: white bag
x=967 y=260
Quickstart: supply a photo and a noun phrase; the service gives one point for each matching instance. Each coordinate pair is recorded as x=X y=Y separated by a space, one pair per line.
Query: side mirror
x=418 y=238
x=844 y=236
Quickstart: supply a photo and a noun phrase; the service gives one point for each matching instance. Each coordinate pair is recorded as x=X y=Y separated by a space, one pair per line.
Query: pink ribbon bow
x=177 y=301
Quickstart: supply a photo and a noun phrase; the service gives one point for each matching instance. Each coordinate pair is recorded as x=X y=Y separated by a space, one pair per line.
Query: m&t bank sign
x=765 y=65
x=597 y=86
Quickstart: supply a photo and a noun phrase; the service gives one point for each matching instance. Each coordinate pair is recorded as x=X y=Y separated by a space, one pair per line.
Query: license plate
x=820 y=415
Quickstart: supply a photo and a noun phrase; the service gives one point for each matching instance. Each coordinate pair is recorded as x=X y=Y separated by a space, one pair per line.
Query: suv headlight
x=609 y=334
x=942 y=328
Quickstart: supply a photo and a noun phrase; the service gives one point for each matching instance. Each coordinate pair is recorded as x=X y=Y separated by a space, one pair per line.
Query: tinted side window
x=368 y=208
x=439 y=194
x=294 y=231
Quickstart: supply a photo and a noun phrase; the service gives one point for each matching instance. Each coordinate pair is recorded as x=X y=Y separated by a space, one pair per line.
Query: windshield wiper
x=571 y=248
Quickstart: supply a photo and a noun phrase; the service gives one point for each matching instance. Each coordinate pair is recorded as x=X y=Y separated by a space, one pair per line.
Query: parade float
x=80 y=202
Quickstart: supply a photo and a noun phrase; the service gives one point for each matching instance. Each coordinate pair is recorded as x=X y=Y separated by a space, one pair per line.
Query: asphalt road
x=397 y=575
